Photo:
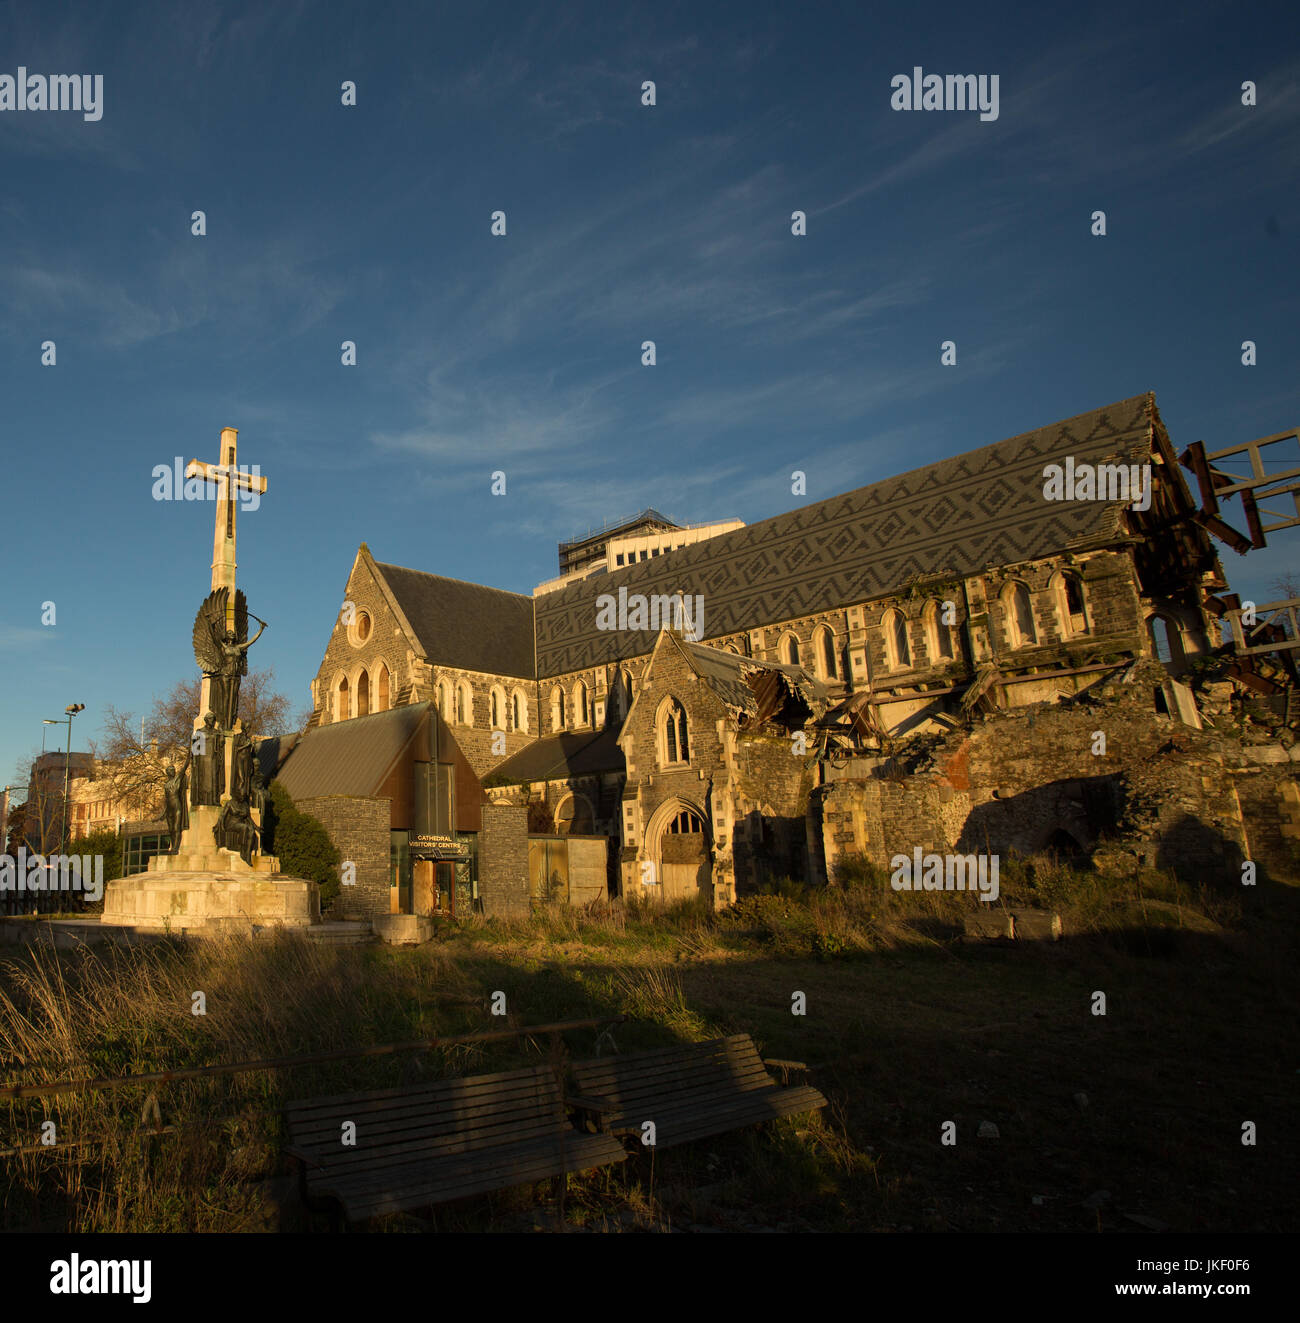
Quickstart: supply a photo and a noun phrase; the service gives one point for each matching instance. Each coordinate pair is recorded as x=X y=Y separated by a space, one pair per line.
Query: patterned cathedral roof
x=960 y=515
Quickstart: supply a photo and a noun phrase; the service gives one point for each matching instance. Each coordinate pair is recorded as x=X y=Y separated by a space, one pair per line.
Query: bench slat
x=458 y=1166
x=426 y=1143
x=630 y=1081
x=422 y=1187
x=691 y=1102
x=776 y=1101
x=418 y=1123
x=537 y=1079
x=739 y=1047
x=637 y=1090
x=689 y=1092
x=619 y=1068
x=403 y=1150
x=680 y=1127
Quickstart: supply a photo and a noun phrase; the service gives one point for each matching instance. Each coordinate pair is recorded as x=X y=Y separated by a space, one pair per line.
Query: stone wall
x=471 y=723
x=1035 y=779
x=346 y=655
x=359 y=828
x=1270 y=804
x=412 y=679
x=769 y=802
x=503 y=861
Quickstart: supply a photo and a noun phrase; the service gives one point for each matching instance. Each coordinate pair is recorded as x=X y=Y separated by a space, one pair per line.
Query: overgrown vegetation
x=904 y=1030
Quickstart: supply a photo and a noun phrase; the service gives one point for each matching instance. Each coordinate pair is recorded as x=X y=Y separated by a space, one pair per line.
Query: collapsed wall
x=1111 y=776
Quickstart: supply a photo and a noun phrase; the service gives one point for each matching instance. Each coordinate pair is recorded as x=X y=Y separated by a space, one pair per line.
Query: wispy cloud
x=19 y=638
x=277 y=290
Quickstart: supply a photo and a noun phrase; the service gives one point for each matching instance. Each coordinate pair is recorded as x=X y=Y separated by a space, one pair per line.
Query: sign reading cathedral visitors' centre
x=437 y=847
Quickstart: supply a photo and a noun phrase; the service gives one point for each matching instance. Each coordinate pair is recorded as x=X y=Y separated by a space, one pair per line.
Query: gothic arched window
x=898 y=646
x=1070 y=607
x=672 y=724
x=1020 y=615
x=825 y=651
x=939 y=633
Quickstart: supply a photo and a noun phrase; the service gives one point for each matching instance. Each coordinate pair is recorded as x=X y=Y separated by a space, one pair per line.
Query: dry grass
x=114 y=1011
x=907 y=1029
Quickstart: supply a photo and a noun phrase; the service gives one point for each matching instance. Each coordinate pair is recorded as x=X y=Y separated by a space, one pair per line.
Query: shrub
x=105 y=842
x=301 y=843
x=785 y=925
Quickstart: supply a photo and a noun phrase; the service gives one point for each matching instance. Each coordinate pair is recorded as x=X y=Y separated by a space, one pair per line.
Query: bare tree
x=134 y=763
x=37 y=822
x=1287 y=585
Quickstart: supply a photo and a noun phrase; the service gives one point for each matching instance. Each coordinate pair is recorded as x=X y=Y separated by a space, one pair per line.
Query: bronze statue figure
x=241 y=767
x=221 y=652
x=209 y=764
x=258 y=796
x=235 y=830
x=175 y=802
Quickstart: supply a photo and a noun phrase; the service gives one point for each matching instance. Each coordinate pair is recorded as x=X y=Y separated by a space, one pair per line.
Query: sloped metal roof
x=350 y=757
x=563 y=755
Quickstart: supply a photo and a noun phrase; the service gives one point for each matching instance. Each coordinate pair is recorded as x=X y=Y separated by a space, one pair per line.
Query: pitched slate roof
x=465 y=624
x=558 y=757
x=960 y=515
x=350 y=757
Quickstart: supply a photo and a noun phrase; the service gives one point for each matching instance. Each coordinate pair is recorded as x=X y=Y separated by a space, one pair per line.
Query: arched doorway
x=683 y=860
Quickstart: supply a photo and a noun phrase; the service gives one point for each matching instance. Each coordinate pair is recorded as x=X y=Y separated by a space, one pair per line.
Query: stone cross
x=230 y=482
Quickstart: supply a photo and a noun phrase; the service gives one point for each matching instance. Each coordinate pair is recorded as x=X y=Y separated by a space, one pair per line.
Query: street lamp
x=46 y=721
x=72 y=709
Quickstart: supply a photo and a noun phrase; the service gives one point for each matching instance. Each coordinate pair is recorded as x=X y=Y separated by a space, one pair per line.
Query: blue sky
x=371 y=223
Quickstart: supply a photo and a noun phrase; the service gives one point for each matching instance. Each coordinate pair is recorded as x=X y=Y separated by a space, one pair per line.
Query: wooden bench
x=427 y=1144
x=689 y=1091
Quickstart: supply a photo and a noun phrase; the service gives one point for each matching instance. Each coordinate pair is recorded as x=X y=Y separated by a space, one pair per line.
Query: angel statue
x=222 y=653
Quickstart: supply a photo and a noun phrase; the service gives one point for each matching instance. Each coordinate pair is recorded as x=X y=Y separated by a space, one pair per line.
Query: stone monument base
x=211 y=901
x=198 y=852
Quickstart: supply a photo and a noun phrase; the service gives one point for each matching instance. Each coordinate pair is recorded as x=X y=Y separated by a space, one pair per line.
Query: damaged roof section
x=758 y=692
